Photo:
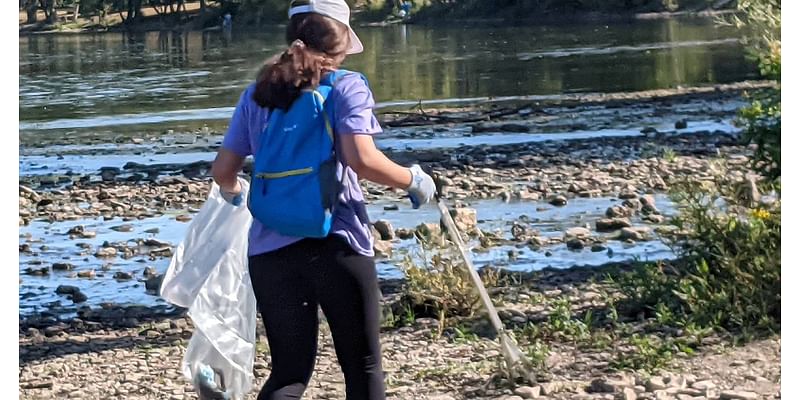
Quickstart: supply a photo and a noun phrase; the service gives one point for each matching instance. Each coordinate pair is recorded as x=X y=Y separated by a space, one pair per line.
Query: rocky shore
x=93 y=360
x=132 y=351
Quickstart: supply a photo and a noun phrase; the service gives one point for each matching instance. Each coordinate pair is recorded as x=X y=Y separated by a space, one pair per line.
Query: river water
x=98 y=86
x=97 y=81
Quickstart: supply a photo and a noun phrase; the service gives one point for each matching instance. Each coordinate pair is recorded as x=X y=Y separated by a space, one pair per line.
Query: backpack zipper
x=284 y=174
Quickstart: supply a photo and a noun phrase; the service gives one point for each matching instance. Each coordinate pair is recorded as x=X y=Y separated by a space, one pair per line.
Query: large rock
x=619 y=212
x=577 y=233
x=737 y=395
x=79 y=297
x=466 y=219
x=382 y=248
x=123 y=276
x=655 y=383
x=558 y=201
x=627 y=394
x=575 y=244
x=67 y=289
x=612 y=224
x=62 y=267
x=404 y=233
x=106 y=252
x=384 y=229
x=153 y=283
x=86 y=274
x=122 y=228
x=637 y=233
x=648 y=205
x=703 y=385
x=654 y=218
x=528 y=392
x=612 y=384
x=429 y=231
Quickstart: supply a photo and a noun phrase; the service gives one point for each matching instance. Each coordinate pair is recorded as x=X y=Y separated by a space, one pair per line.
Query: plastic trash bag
x=208 y=275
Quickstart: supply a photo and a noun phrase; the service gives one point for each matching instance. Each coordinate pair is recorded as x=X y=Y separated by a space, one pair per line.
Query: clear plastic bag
x=208 y=274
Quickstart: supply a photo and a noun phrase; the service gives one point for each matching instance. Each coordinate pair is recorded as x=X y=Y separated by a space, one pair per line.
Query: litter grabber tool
x=517 y=364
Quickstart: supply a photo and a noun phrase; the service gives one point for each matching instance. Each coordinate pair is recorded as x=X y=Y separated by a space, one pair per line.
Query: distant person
x=227 y=21
x=405 y=9
x=294 y=274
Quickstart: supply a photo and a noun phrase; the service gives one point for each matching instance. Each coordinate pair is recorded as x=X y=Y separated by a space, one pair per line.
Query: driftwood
x=421 y=117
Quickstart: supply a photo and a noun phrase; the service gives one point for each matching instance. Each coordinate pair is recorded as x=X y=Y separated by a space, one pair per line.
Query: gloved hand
x=234 y=198
x=206 y=386
x=422 y=187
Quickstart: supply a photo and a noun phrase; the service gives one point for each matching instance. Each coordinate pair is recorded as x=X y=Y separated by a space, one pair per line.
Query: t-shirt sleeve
x=353 y=107
x=237 y=139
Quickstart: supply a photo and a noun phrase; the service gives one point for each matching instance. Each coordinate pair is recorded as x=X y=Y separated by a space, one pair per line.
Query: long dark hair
x=316 y=44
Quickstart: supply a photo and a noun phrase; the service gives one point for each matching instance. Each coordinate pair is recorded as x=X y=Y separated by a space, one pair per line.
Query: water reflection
x=73 y=76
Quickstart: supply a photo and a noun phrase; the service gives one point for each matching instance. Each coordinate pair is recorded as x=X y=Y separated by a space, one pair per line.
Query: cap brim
x=355 y=43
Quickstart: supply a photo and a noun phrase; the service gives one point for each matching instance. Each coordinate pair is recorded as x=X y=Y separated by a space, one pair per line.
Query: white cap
x=336 y=9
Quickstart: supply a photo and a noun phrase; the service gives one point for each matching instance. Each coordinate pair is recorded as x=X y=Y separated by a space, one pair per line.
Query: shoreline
x=136 y=351
x=420 y=360
x=551 y=18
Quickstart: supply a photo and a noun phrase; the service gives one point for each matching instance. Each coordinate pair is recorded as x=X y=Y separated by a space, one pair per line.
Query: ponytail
x=279 y=84
x=318 y=44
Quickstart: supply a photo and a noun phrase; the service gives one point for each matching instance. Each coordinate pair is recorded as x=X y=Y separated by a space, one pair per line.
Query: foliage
x=762 y=121
x=514 y=9
x=440 y=285
x=730 y=275
x=648 y=354
x=762 y=118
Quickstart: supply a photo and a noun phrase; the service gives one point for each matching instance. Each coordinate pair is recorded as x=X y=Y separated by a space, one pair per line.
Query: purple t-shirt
x=352 y=114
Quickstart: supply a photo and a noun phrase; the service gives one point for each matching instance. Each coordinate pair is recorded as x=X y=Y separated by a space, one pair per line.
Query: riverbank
x=102 y=218
x=91 y=360
x=192 y=18
x=543 y=184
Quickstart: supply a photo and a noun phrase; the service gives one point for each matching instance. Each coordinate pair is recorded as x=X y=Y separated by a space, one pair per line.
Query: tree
x=133 y=7
x=49 y=8
x=31 y=7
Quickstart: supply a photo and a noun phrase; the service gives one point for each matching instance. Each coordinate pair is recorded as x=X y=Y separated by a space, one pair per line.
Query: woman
x=292 y=275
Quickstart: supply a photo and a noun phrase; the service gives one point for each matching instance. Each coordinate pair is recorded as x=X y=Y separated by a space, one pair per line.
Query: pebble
x=123 y=276
x=384 y=229
x=612 y=224
x=62 y=267
x=106 y=252
x=655 y=383
x=558 y=201
x=528 y=392
x=704 y=385
x=737 y=395
x=627 y=394
x=86 y=274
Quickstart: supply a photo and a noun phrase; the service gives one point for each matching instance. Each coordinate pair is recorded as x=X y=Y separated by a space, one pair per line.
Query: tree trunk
x=75 y=11
x=134 y=10
x=50 y=15
x=202 y=5
x=30 y=9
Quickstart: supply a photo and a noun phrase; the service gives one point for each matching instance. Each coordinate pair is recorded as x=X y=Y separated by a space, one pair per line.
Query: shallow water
x=38 y=293
x=84 y=98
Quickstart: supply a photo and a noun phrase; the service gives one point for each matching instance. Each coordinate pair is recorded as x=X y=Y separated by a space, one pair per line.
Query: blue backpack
x=294 y=186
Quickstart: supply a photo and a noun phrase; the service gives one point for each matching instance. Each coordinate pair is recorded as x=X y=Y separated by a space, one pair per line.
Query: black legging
x=288 y=284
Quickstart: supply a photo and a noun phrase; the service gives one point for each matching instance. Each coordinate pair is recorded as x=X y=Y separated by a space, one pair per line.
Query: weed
x=438 y=285
x=537 y=353
x=669 y=155
x=647 y=354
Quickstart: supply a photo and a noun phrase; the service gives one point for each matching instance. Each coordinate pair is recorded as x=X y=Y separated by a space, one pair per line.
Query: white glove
x=422 y=188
